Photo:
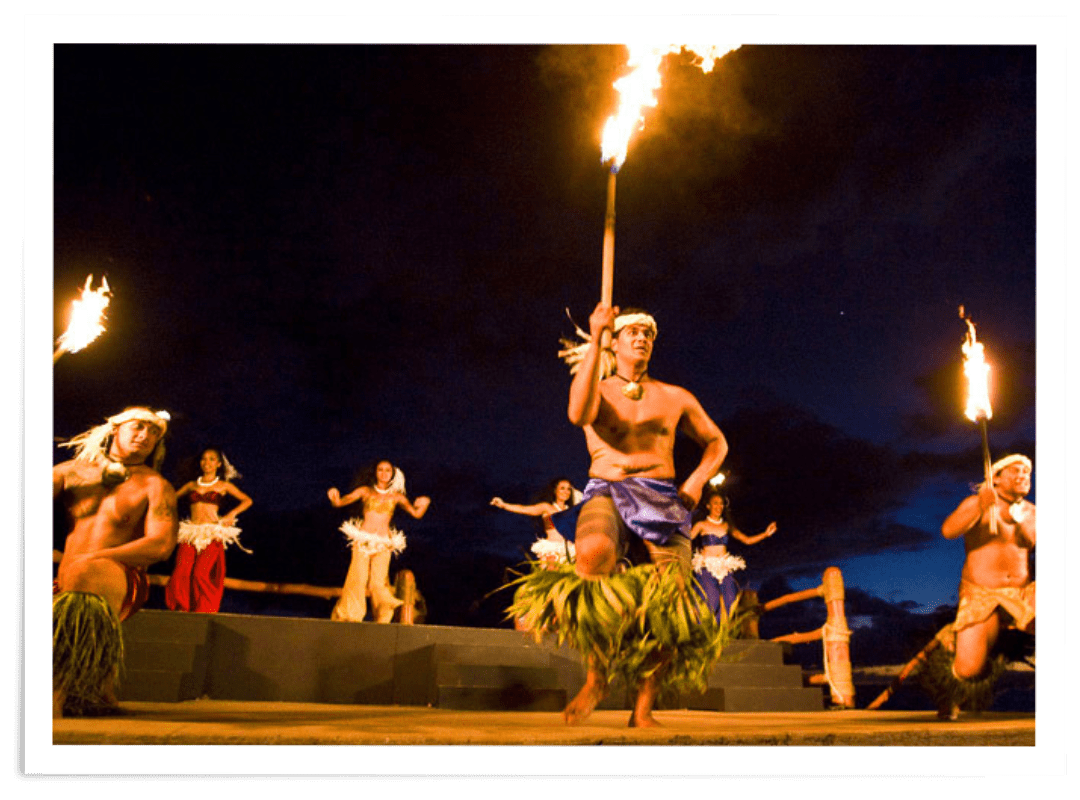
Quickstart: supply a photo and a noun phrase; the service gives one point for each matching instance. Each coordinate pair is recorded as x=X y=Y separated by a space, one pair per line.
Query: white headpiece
x=574 y=352
x=397 y=483
x=230 y=471
x=1015 y=458
x=90 y=446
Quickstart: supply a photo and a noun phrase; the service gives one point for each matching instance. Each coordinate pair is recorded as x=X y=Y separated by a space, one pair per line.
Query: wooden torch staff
x=907 y=670
x=607 y=274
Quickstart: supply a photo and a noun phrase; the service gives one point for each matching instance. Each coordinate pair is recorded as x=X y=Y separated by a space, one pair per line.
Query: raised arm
x=584 y=402
x=968 y=513
x=416 y=509
x=337 y=501
x=765 y=534
x=535 y=510
x=698 y=426
x=244 y=505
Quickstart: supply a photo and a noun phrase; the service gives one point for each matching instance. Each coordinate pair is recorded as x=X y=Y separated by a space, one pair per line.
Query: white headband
x=623 y=320
x=574 y=352
x=1016 y=458
x=158 y=418
x=90 y=446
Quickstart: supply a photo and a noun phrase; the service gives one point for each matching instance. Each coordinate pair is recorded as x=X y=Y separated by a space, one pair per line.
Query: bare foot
x=594 y=690
x=643 y=704
x=643 y=720
x=948 y=712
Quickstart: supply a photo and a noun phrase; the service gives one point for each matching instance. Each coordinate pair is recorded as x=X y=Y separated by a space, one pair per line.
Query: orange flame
x=637 y=91
x=978 y=375
x=87 y=317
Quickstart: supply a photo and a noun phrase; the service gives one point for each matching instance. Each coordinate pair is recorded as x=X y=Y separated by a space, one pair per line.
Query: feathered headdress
x=574 y=352
x=92 y=446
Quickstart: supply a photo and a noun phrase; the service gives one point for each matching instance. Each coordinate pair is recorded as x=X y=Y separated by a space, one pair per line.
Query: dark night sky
x=322 y=255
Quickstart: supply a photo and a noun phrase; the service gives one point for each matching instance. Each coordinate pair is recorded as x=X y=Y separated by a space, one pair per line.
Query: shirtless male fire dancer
x=123 y=517
x=996 y=589
x=632 y=509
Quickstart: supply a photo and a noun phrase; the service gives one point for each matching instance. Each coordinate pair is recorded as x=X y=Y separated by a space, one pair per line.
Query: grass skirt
x=88 y=651
x=627 y=624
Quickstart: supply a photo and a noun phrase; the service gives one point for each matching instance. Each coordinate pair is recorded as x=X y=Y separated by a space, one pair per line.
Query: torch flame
x=87 y=317
x=637 y=92
x=978 y=375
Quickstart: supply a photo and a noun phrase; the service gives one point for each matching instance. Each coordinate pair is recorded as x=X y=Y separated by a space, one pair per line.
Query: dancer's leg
x=352 y=605
x=208 y=578
x=596 y=542
x=382 y=598
x=178 y=589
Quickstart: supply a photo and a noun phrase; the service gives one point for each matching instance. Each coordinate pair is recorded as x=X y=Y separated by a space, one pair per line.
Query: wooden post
x=836 y=635
x=405 y=589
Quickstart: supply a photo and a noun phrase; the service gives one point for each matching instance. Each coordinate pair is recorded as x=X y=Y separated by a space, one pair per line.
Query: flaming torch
x=978 y=408
x=636 y=93
x=87 y=319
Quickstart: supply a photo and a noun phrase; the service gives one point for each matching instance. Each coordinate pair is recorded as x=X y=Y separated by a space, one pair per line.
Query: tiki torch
x=637 y=91
x=87 y=319
x=978 y=409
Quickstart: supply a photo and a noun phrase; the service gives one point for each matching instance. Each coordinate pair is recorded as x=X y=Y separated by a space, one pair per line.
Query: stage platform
x=172 y=657
x=215 y=722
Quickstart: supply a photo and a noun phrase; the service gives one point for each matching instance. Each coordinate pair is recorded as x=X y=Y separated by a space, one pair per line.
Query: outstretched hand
x=334 y=496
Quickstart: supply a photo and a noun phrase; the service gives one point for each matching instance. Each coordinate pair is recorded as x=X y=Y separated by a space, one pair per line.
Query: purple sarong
x=650 y=508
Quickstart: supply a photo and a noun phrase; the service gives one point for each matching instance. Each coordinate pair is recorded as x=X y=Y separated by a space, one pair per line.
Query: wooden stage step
x=172 y=656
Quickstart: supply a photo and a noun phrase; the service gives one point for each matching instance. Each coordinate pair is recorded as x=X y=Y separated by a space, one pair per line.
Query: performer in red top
x=198 y=579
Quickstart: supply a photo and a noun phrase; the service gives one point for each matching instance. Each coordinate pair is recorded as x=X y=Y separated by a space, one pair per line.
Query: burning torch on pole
x=978 y=407
x=637 y=91
x=87 y=319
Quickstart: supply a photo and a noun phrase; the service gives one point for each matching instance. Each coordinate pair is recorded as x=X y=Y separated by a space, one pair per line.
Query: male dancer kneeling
x=123 y=519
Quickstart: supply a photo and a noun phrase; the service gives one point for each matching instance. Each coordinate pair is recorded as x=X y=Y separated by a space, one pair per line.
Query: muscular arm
x=159 y=537
x=697 y=424
x=584 y=402
x=967 y=514
x=58 y=479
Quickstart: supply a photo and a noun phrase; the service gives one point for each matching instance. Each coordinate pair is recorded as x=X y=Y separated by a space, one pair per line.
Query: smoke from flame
x=637 y=91
x=87 y=317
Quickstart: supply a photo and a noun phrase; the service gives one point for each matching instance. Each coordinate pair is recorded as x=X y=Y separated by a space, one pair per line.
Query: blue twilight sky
x=323 y=255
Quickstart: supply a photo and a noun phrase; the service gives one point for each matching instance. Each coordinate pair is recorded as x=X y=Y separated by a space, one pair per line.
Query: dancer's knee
x=595 y=555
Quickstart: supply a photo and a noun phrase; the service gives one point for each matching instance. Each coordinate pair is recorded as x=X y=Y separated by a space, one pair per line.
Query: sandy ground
x=213 y=722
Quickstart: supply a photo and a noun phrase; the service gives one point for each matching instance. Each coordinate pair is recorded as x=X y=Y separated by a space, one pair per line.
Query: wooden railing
x=404 y=588
x=834 y=634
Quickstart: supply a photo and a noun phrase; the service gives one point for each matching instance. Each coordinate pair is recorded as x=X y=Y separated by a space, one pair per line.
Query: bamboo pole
x=794 y=597
x=906 y=671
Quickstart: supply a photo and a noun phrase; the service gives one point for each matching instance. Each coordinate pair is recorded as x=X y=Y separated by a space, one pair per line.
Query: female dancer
x=712 y=562
x=559 y=496
x=372 y=540
x=198 y=579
